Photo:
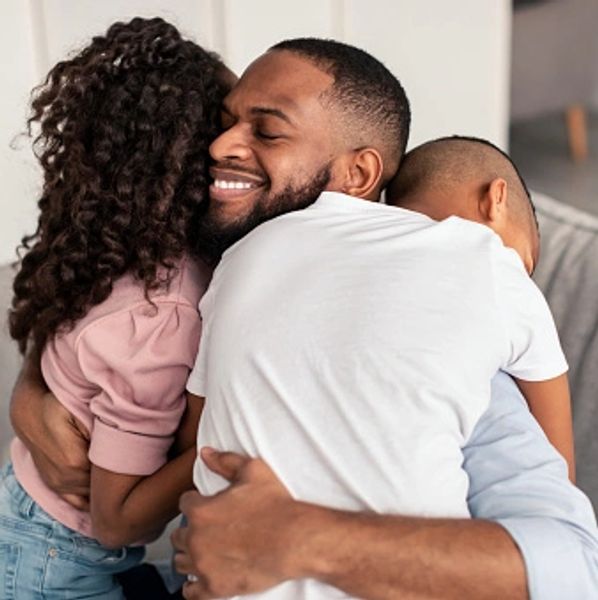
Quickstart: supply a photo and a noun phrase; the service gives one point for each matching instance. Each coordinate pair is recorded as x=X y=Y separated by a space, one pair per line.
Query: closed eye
x=266 y=136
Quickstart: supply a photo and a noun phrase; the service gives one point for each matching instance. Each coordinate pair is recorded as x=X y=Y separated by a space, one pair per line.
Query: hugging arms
x=532 y=535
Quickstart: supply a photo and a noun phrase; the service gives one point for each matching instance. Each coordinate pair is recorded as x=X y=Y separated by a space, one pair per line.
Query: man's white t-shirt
x=351 y=345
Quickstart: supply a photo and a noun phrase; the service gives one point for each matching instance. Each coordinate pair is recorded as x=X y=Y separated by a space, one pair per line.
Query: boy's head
x=473 y=179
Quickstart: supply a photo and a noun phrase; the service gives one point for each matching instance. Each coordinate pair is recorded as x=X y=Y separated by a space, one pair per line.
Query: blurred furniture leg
x=553 y=68
x=577 y=130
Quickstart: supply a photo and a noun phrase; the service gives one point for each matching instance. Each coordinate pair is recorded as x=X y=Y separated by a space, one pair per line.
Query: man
x=288 y=138
x=320 y=108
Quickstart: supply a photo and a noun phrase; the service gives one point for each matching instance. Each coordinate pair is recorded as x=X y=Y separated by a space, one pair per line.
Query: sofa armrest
x=568 y=275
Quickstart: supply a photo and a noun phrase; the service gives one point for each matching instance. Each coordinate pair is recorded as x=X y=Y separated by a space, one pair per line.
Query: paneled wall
x=452 y=57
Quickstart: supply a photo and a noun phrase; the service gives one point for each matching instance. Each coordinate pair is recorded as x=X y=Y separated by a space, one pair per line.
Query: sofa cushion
x=9 y=359
x=568 y=275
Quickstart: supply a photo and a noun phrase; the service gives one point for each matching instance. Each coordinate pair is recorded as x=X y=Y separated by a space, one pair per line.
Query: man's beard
x=214 y=237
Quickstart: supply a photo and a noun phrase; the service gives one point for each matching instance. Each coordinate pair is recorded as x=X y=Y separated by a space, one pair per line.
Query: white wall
x=452 y=57
x=17 y=170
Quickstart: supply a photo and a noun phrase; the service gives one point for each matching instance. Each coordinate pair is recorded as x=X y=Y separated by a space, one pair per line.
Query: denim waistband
x=25 y=503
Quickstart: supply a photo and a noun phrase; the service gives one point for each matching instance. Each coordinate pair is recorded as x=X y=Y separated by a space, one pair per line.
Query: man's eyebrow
x=261 y=110
x=273 y=112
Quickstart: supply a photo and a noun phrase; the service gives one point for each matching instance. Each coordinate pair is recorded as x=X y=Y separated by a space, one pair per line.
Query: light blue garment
x=519 y=480
x=42 y=559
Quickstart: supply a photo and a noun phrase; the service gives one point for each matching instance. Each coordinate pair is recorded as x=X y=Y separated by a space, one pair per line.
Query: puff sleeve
x=138 y=360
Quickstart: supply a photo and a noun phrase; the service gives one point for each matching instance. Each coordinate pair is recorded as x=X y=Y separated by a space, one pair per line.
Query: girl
x=107 y=295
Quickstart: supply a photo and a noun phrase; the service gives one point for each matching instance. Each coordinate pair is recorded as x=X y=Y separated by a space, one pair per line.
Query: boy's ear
x=493 y=203
x=363 y=174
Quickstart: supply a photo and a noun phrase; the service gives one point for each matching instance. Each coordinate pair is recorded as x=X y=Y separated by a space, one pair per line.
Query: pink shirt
x=122 y=372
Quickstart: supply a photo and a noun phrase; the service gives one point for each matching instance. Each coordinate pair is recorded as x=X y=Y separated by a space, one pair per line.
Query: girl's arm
x=126 y=509
x=550 y=403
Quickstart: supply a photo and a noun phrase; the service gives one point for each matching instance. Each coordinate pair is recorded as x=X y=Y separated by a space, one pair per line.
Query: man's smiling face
x=277 y=151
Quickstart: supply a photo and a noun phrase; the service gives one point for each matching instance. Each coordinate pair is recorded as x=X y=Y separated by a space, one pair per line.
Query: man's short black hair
x=371 y=98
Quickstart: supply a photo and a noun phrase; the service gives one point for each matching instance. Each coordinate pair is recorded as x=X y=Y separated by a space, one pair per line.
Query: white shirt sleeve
x=196 y=384
x=534 y=350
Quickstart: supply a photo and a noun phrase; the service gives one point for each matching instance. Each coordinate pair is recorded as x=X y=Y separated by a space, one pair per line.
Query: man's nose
x=231 y=144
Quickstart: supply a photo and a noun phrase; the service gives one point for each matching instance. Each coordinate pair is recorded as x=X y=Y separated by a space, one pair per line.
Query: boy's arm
x=550 y=403
x=128 y=508
x=57 y=442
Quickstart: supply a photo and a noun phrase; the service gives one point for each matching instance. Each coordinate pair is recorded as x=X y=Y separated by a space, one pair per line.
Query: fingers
x=79 y=502
x=189 y=500
x=196 y=590
x=182 y=560
x=178 y=538
x=183 y=563
x=63 y=480
x=82 y=431
x=225 y=464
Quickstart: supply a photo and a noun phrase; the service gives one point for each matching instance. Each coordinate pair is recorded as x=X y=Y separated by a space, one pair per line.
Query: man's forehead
x=280 y=79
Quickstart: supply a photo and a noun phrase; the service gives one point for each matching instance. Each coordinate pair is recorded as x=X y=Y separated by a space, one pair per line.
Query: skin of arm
x=128 y=508
x=550 y=403
x=124 y=508
x=526 y=513
x=58 y=443
x=254 y=535
x=186 y=433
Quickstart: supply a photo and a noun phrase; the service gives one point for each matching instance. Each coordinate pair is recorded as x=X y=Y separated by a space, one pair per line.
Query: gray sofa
x=568 y=275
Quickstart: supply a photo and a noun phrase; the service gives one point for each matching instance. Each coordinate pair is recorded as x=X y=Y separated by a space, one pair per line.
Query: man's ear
x=493 y=203
x=363 y=174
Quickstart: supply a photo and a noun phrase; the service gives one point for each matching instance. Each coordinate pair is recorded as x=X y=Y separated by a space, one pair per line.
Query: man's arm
x=254 y=535
x=57 y=442
x=534 y=533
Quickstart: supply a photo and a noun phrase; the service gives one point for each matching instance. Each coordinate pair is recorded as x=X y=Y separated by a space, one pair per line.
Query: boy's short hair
x=449 y=161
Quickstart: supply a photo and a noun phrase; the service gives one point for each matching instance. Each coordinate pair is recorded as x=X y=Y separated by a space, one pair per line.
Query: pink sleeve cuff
x=125 y=452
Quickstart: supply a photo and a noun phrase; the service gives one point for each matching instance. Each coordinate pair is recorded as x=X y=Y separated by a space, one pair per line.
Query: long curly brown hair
x=123 y=135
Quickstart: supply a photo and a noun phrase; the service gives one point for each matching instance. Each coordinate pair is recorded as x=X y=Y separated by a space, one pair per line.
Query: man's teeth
x=232 y=185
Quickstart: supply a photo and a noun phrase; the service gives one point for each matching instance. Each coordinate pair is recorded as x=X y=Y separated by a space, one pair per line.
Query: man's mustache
x=232 y=166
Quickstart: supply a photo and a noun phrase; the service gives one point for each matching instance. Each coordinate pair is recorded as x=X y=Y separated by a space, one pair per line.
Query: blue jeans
x=41 y=559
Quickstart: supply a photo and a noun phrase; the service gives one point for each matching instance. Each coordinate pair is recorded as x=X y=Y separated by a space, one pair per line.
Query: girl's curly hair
x=124 y=130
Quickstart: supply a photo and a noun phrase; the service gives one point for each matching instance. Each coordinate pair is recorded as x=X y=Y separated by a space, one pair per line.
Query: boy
x=449 y=177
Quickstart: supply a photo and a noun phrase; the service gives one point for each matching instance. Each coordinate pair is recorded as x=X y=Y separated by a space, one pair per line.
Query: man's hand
x=58 y=443
x=234 y=541
x=61 y=456
x=253 y=536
